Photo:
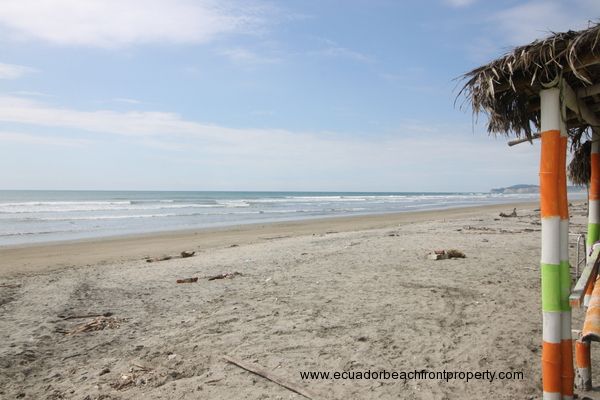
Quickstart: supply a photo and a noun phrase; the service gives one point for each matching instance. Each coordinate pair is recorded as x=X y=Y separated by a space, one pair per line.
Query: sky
x=299 y=95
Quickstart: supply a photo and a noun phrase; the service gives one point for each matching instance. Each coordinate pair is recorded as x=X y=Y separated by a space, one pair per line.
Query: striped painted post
x=594 y=193
x=584 y=365
x=593 y=205
x=551 y=255
x=566 y=344
x=583 y=347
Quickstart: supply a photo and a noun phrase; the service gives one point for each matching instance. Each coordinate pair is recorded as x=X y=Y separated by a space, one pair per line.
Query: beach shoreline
x=346 y=294
x=43 y=257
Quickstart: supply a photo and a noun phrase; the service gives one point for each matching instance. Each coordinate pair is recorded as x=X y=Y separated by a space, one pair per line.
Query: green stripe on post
x=551 y=293
x=593 y=232
x=565 y=285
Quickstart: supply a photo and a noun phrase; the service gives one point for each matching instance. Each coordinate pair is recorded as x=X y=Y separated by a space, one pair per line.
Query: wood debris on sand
x=10 y=285
x=66 y=317
x=258 y=370
x=183 y=254
x=135 y=377
x=187 y=280
x=156 y=259
x=513 y=214
x=226 y=275
x=96 y=324
x=446 y=254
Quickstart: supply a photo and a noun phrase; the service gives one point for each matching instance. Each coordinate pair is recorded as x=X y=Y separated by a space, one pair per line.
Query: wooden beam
x=588 y=91
x=523 y=140
x=587 y=278
x=578 y=106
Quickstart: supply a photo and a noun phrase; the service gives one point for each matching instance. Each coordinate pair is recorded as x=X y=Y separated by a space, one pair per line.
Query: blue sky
x=353 y=95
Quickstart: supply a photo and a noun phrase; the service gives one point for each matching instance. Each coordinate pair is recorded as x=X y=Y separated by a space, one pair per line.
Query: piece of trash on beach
x=511 y=215
x=187 y=280
x=186 y=254
x=96 y=324
x=446 y=254
x=226 y=275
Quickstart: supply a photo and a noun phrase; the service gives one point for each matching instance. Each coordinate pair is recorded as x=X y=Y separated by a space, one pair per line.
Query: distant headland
x=521 y=189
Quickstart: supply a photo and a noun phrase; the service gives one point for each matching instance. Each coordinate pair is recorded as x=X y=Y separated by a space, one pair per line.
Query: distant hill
x=520 y=189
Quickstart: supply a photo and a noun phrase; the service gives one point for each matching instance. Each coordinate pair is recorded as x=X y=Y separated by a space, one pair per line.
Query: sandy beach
x=339 y=294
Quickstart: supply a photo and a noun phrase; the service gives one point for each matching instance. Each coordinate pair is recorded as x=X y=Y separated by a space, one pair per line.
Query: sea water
x=40 y=216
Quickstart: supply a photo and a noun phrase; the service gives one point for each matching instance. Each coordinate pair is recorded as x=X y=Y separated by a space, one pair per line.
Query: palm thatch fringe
x=507 y=89
x=580 y=167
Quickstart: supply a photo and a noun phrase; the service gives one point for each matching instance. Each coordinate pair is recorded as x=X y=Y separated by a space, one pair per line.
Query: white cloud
x=332 y=49
x=31 y=93
x=282 y=157
x=26 y=138
x=117 y=23
x=21 y=110
x=244 y=56
x=537 y=18
x=12 y=71
x=126 y=100
x=459 y=3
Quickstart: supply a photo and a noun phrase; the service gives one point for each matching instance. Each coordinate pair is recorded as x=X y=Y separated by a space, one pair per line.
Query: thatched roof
x=580 y=169
x=507 y=89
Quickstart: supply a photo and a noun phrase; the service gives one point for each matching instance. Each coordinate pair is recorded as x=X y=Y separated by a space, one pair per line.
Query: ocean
x=43 y=216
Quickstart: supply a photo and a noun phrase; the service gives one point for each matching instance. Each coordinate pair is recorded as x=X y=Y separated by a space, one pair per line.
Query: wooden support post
x=551 y=257
x=566 y=344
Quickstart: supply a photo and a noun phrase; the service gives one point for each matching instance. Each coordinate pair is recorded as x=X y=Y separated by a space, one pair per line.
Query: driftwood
x=255 y=369
x=97 y=324
x=225 y=275
x=183 y=254
x=511 y=215
x=453 y=253
x=446 y=254
x=156 y=259
x=131 y=379
x=66 y=317
x=188 y=280
x=10 y=285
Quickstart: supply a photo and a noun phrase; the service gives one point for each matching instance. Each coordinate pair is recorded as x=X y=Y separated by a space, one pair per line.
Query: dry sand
x=345 y=294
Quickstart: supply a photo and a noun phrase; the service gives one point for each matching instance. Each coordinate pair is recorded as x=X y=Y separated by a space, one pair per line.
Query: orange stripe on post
x=549 y=171
x=568 y=373
x=563 y=202
x=551 y=357
x=582 y=354
x=595 y=177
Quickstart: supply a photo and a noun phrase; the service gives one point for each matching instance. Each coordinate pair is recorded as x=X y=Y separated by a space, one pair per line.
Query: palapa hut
x=551 y=89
